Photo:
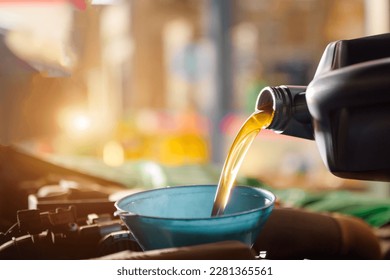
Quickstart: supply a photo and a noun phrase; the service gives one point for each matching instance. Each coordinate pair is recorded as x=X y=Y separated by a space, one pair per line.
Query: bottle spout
x=291 y=114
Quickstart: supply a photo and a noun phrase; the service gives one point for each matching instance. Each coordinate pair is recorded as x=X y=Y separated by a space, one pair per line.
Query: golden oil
x=241 y=144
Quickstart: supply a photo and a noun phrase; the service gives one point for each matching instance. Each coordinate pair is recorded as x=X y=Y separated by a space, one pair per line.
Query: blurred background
x=152 y=92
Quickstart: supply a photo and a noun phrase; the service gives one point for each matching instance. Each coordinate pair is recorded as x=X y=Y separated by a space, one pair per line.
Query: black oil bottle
x=345 y=108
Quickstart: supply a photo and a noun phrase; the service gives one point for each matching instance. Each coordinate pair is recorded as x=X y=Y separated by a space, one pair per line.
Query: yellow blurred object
x=182 y=149
x=113 y=153
x=164 y=138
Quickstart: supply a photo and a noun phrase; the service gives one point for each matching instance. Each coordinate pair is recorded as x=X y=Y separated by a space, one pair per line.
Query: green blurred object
x=140 y=173
x=375 y=211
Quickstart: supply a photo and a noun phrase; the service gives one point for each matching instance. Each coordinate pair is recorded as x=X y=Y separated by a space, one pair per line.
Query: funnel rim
x=267 y=194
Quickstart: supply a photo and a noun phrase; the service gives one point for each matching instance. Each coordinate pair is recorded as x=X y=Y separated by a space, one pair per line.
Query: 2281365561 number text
x=242 y=271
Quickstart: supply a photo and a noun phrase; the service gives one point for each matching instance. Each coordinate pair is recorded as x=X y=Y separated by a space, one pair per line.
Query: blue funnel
x=181 y=216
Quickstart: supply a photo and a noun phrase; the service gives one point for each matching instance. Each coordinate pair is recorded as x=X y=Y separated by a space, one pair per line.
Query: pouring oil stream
x=244 y=138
